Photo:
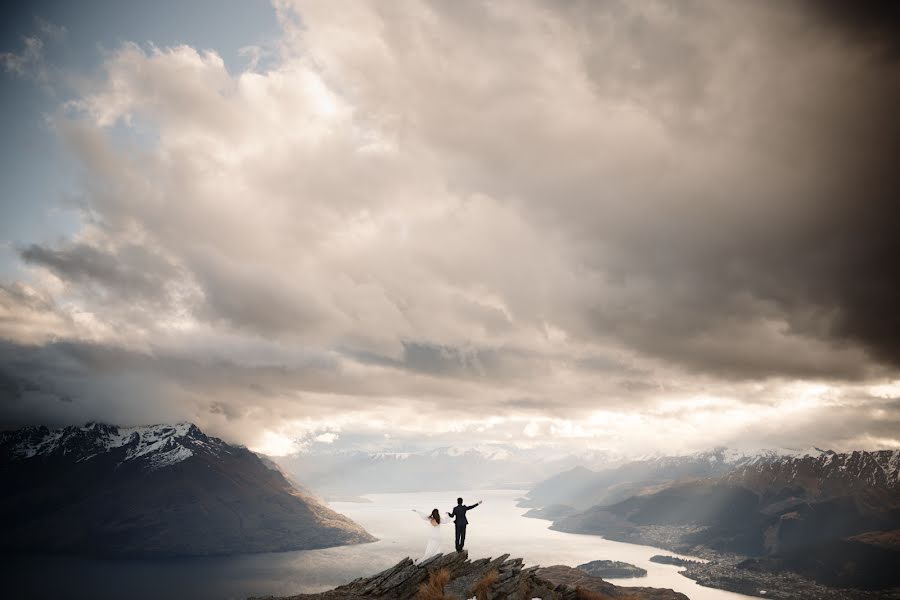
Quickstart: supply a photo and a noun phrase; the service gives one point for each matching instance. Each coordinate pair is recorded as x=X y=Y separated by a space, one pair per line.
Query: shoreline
x=721 y=570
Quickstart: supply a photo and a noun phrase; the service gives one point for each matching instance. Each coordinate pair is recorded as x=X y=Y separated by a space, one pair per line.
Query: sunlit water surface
x=497 y=527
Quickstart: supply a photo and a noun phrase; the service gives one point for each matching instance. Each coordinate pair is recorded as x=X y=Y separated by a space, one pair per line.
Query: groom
x=459 y=513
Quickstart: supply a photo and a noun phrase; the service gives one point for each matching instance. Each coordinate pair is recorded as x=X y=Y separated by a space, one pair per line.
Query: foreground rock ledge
x=513 y=581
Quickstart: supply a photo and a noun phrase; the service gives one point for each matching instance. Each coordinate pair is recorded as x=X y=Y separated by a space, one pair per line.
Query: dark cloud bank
x=625 y=199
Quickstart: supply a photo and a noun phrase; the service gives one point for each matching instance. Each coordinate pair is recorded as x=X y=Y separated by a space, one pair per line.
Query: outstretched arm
x=424 y=516
x=474 y=505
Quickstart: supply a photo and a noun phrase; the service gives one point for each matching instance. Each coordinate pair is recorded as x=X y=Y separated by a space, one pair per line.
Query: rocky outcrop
x=508 y=577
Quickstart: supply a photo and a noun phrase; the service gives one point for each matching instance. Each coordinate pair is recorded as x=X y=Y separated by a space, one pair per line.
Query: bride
x=434 y=532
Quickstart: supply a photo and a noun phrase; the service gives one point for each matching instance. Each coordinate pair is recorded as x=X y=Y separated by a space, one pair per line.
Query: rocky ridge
x=511 y=581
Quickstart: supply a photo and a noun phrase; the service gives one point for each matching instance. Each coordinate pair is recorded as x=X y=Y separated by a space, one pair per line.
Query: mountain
x=455 y=577
x=342 y=473
x=826 y=474
x=581 y=488
x=832 y=517
x=160 y=490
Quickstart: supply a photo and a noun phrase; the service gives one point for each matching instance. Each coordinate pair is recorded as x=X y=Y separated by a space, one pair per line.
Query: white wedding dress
x=434 y=535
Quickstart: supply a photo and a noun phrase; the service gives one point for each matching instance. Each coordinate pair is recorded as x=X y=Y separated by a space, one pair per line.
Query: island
x=673 y=560
x=612 y=569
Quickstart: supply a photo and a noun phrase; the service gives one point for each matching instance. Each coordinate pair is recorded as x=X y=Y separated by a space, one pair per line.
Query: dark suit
x=459 y=513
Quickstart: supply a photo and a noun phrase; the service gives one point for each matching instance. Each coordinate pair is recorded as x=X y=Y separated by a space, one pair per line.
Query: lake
x=497 y=527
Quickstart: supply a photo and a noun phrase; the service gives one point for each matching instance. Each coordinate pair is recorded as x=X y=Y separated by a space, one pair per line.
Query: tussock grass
x=433 y=589
x=482 y=589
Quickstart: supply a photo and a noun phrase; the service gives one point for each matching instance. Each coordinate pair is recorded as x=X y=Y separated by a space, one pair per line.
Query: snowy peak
x=156 y=490
x=151 y=446
x=485 y=452
x=491 y=453
x=724 y=460
x=825 y=473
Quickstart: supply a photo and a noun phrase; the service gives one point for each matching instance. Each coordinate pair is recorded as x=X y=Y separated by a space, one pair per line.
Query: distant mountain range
x=161 y=490
x=341 y=474
x=580 y=488
x=831 y=516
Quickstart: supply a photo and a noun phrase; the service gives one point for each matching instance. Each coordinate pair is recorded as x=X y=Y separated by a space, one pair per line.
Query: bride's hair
x=436 y=516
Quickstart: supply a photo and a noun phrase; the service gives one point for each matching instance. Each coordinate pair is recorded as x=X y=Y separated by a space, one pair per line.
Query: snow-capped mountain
x=775 y=476
x=582 y=487
x=825 y=474
x=819 y=511
x=153 y=490
x=151 y=446
x=339 y=473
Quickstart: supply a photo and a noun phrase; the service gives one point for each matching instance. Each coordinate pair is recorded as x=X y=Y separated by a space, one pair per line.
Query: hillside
x=582 y=488
x=798 y=513
x=161 y=490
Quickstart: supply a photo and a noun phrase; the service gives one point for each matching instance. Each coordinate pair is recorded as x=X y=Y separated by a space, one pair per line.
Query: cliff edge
x=454 y=577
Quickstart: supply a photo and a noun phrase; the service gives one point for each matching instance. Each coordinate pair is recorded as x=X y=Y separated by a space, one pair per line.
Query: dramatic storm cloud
x=622 y=224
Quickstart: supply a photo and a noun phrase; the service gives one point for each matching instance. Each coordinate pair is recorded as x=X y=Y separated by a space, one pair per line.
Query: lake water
x=497 y=527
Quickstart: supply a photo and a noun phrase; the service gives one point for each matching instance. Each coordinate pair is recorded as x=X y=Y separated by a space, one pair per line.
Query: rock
x=513 y=582
x=369 y=585
x=612 y=569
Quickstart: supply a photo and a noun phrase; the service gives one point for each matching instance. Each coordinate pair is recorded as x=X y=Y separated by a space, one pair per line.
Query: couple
x=434 y=524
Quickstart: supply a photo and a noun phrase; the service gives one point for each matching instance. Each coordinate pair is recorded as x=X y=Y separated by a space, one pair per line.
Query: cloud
x=130 y=271
x=30 y=62
x=728 y=230
x=31 y=315
x=532 y=211
x=872 y=24
x=253 y=55
x=26 y=62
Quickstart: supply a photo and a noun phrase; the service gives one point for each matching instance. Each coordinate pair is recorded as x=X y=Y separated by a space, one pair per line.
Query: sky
x=635 y=226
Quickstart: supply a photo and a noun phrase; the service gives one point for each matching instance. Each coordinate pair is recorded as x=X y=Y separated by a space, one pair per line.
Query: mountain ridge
x=815 y=515
x=161 y=445
x=160 y=490
x=340 y=472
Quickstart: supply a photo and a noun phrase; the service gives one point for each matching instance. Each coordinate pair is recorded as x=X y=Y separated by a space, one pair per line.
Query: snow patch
x=159 y=445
